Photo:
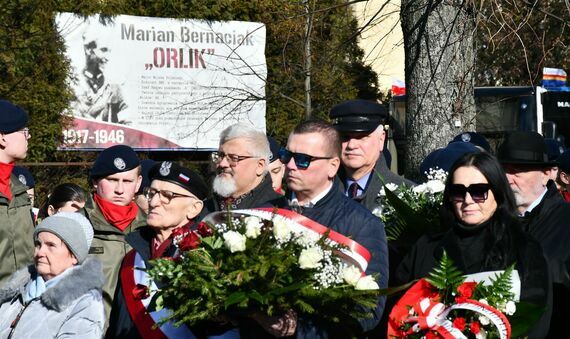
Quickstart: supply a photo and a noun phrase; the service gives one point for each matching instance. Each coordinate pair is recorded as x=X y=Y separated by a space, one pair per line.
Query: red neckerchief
x=118 y=216
x=5 y=172
x=157 y=251
x=565 y=195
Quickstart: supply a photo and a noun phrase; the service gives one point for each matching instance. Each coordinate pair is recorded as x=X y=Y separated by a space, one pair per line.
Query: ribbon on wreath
x=352 y=251
x=431 y=314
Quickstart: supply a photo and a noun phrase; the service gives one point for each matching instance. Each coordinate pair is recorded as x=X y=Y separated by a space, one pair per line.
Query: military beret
x=444 y=158
x=24 y=176
x=181 y=176
x=12 y=118
x=115 y=159
x=146 y=165
x=274 y=147
x=564 y=162
x=358 y=116
x=475 y=138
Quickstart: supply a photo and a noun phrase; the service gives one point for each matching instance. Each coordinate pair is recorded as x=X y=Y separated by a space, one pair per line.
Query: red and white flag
x=398 y=87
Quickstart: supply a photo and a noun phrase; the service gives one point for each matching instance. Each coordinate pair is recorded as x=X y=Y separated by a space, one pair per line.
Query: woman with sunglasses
x=484 y=234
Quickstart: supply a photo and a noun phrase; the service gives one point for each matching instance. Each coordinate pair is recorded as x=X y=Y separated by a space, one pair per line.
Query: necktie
x=353 y=190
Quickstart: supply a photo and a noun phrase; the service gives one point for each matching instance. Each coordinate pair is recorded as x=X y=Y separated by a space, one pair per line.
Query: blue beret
x=115 y=159
x=564 y=162
x=181 y=176
x=554 y=148
x=274 y=147
x=444 y=158
x=475 y=138
x=358 y=116
x=24 y=176
x=146 y=165
x=12 y=118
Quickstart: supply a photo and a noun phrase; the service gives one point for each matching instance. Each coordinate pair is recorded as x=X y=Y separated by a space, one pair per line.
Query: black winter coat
x=549 y=223
x=468 y=247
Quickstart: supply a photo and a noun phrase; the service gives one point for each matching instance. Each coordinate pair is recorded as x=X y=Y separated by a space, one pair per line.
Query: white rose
x=310 y=258
x=419 y=189
x=367 y=283
x=391 y=186
x=484 y=320
x=351 y=274
x=252 y=227
x=435 y=186
x=234 y=241
x=281 y=230
x=510 y=308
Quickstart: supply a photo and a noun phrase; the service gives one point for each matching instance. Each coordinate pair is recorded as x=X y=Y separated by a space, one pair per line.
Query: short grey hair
x=256 y=140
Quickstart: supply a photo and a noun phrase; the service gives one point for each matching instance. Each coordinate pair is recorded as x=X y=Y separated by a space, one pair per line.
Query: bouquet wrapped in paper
x=264 y=260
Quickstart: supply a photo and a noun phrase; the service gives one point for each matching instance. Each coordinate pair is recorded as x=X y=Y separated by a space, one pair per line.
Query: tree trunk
x=438 y=42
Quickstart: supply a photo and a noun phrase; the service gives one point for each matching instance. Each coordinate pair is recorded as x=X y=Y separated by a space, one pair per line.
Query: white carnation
x=391 y=186
x=351 y=274
x=281 y=230
x=484 y=320
x=510 y=308
x=310 y=258
x=435 y=186
x=252 y=227
x=420 y=189
x=367 y=283
x=234 y=241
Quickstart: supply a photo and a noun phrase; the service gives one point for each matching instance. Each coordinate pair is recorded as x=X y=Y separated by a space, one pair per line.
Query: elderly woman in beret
x=60 y=295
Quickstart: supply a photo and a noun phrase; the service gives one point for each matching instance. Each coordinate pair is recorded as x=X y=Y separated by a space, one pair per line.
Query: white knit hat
x=72 y=228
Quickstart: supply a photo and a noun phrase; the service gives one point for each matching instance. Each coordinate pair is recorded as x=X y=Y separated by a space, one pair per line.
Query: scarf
x=158 y=250
x=118 y=216
x=37 y=286
x=565 y=195
x=5 y=172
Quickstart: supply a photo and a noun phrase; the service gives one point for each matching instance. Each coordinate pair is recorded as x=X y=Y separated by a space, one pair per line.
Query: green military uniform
x=16 y=230
x=109 y=246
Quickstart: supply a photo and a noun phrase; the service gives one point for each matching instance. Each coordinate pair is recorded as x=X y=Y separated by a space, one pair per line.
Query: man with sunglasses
x=364 y=170
x=175 y=198
x=242 y=179
x=16 y=223
x=116 y=177
x=312 y=159
x=542 y=210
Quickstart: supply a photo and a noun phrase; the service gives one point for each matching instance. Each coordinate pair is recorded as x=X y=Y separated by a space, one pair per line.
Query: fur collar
x=78 y=281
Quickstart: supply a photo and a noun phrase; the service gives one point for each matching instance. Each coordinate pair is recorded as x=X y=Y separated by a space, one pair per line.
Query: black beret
x=358 y=116
x=181 y=176
x=24 y=176
x=475 y=138
x=146 y=165
x=115 y=159
x=12 y=117
x=274 y=147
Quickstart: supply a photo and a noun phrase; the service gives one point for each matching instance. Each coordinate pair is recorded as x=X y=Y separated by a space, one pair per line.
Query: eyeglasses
x=26 y=131
x=164 y=196
x=233 y=159
x=302 y=160
x=478 y=192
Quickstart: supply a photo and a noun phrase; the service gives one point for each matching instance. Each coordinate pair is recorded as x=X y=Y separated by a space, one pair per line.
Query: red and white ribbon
x=352 y=251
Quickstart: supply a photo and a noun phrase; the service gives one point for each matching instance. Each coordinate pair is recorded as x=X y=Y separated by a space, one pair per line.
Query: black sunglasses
x=478 y=192
x=302 y=160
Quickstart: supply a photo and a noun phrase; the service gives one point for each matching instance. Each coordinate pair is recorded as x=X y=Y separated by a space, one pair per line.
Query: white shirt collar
x=535 y=203
x=313 y=202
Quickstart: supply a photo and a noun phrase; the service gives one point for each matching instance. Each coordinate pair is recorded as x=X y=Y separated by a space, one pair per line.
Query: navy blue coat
x=348 y=217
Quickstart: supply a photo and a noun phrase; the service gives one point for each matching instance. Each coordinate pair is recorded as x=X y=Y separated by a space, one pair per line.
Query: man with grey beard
x=542 y=211
x=242 y=179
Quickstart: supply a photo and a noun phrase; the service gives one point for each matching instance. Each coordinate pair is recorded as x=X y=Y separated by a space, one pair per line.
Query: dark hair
x=332 y=138
x=61 y=194
x=499 y=239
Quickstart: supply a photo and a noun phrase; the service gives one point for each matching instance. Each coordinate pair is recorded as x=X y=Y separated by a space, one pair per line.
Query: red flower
x=475 y=327
x=459 y=323
x=465 y=291
x=431 y=335
x=140 y=292
x=204 y=230
x=190 y=241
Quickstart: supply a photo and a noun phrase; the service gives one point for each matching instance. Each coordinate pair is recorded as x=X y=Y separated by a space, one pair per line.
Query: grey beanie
x=72 y=228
